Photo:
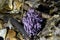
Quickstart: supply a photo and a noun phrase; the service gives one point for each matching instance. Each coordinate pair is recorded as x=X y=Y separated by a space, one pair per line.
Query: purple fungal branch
x=32 y=22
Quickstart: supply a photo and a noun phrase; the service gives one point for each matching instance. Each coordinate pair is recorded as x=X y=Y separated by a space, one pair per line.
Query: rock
x=3 y=33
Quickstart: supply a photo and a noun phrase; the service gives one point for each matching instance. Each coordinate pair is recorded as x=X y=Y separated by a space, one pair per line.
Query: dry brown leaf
x=11 y=34
x=17 y=4
x=11 y=39
x=1 y=24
